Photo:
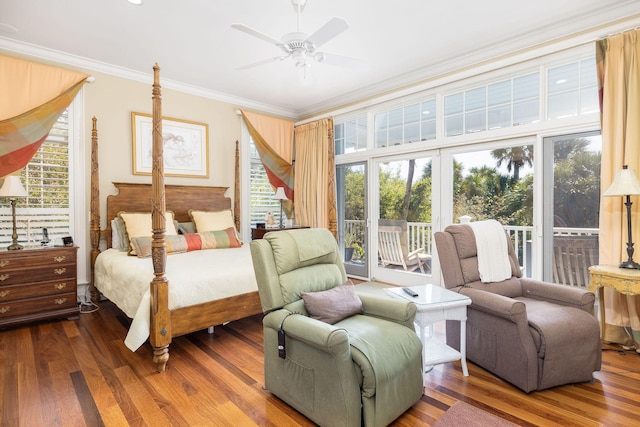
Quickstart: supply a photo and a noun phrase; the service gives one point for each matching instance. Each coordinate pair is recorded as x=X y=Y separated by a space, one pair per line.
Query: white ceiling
x=402 y=41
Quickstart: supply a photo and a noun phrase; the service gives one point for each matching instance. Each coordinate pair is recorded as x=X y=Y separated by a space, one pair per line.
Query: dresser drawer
x=17 y=292
x=37 y=305
x=42 y=273
x=36 y=257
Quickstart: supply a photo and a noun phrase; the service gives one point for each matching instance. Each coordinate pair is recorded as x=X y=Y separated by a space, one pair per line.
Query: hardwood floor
x=78 y=372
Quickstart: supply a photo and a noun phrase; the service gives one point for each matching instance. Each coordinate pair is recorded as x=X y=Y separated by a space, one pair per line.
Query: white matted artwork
x=186 y=146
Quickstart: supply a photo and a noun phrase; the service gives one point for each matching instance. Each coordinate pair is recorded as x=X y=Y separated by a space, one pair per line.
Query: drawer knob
x=4 y=309
x=60 y=301
x=4 y=293
x=60 y=286
x=59 y=270
x=4 y=263
x=4 y=277
x=59 y=258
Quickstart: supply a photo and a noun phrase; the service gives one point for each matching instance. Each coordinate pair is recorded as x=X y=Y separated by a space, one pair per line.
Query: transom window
x=351 y=135
x=506 y=103
x=406 y=125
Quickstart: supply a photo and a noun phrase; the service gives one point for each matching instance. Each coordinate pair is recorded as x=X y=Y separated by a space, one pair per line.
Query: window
x=262 y=192
x=572 y=89
x=46 y=180
x=351 y=135
x=405 y=125
x=506 y=103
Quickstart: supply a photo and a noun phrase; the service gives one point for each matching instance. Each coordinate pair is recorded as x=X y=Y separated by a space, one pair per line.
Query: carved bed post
x=236 y=191
x=94 y=225
x=160 y=331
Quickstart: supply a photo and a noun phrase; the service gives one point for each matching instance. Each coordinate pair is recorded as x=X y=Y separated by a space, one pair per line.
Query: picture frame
x=186 y=146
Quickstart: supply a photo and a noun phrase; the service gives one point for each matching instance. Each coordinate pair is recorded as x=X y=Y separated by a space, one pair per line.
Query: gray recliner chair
x=532 y=334
x=363 y=370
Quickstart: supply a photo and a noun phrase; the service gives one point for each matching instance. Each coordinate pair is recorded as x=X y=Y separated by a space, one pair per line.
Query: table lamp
x=626 y=184
x=282 y=197
x=12 y=188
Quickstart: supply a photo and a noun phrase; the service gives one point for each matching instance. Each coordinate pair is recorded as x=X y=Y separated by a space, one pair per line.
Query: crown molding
x=89 y=65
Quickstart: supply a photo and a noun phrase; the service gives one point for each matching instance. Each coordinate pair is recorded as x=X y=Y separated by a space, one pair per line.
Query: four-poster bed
x=157 y=300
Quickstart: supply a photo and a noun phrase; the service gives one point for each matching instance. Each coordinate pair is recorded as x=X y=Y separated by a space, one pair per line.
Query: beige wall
x=112 y=100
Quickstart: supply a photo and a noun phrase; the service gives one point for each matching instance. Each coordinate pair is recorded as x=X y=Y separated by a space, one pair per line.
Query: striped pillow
x=190 y=242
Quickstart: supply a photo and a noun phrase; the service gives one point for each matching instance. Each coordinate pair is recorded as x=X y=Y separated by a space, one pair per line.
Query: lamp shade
x=12 y=187
x=280 y=194
x=625 y=183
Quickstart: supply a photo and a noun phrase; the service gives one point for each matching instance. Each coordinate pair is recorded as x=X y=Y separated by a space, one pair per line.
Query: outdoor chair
x=392 y=250
x=572 y=257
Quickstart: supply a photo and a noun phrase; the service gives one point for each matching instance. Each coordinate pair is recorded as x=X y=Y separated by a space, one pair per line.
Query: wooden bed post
x=94 y=225
x=236 y=191
x=160 y=330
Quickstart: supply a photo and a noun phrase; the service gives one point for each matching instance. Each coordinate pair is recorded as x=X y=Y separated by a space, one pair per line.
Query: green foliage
x=486 y=193
x=577 y=190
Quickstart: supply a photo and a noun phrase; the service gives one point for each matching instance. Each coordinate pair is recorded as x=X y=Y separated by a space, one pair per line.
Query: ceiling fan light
x=319 y=57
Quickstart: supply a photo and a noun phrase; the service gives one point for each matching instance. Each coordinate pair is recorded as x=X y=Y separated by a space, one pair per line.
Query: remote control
x=282 y=352
x=410 y=291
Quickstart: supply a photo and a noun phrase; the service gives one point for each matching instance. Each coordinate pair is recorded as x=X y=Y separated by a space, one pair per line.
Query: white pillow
x=139 y=224
x=212 y=221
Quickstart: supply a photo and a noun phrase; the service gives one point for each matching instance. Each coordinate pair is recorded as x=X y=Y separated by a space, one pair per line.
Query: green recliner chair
x=363 y=370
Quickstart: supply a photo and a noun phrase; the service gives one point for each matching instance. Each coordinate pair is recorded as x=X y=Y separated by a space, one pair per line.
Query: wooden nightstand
x=37 y=284
x=258 y=233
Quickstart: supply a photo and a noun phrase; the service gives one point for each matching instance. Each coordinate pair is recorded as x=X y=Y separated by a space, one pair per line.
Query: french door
x=571 y=206
x=351 y=180
x=402 y=232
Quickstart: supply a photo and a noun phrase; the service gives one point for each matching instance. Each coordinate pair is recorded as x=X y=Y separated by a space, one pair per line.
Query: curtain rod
x=619 y=32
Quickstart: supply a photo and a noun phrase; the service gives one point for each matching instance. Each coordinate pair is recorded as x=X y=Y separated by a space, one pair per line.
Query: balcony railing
x=421 y=236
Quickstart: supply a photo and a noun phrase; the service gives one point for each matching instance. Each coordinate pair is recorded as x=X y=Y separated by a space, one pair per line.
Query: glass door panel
x=352 y=216
x=572 y=204
x=404 y=228
x=497 y=184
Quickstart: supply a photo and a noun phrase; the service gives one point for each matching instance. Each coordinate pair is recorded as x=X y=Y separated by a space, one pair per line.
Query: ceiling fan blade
x=263 y=62
x=328 y=31
x=339 y=60
x=256 y=33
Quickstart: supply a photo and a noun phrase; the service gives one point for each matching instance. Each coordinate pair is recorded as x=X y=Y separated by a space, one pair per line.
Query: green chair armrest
x=325 y=337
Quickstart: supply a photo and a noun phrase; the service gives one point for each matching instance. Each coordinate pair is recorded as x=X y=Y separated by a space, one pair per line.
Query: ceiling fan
x=302 y=48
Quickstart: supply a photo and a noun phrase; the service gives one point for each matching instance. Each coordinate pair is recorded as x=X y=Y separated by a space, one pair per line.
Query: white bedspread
x=194 y=277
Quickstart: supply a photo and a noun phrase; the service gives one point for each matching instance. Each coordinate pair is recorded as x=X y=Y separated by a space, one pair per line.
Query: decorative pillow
x=189 y=242
x=139 y=224
x=186 y=227
x=333 y=305
x=212 y=221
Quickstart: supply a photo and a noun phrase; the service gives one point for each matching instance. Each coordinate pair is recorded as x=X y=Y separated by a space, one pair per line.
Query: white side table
x=435 y=304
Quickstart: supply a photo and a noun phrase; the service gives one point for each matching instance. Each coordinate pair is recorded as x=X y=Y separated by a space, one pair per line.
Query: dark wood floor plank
x=67 y=402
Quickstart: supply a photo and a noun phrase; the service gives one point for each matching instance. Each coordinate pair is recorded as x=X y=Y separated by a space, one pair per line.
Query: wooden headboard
x=178 y=198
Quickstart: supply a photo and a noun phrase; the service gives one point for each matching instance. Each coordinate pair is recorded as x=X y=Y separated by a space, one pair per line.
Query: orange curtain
x=32 y=98
x=619 y=89
x=273 y=139
x=315 y=175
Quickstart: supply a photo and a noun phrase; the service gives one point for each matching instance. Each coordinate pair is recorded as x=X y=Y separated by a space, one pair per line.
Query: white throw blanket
x=493 y=252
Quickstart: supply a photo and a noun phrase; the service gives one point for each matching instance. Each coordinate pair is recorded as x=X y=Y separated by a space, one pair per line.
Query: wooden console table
x=623 y=280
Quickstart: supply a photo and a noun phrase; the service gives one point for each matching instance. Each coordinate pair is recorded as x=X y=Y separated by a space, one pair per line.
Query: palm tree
x=515 y=157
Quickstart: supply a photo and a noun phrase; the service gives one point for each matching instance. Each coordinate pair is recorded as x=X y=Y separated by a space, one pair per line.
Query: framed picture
x=186 y=146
